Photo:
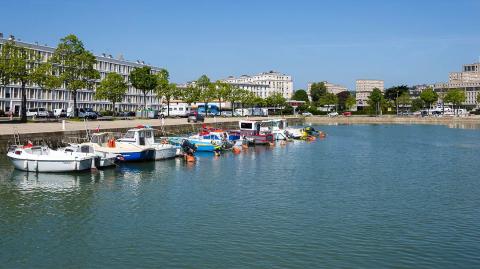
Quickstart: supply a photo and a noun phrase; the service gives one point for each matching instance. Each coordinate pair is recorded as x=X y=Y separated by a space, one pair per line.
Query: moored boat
x=44 y=159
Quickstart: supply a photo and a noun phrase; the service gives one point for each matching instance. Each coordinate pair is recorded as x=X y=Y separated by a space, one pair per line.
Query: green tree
x=74 y=66
x=233 y=94
x=328 y=100
x=22 y=65
x=317 y=90
x=428 y=96
x=404 y=100
x=112 y=88
x=190 y=95
x=144 y=80
x=207 y=91
x=455 y=97
x=164 y=89
x=300 y=95
x=375 y=100
x=342 y=98
x=222 y=89
x=276 y=100
x=350 y=102
x=417 y=104
x=478 y=98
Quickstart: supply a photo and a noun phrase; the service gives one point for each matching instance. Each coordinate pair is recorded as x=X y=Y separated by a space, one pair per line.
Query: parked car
x=307 y=114
x=87 y=113
x=60 y=113
x=227 y=114
x=50 y=114
x=332 y=114
x=39 y=112
x=347 y=114
x=195 y=117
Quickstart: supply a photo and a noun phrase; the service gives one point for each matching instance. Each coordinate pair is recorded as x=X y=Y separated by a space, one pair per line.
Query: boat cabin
x=141 y=136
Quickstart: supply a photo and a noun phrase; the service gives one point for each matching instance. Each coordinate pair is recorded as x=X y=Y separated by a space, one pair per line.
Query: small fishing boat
x=128 y=147
x=252 y=133
x=104 y=159
x=276 y=127
x=144 y=137
x=44 y=159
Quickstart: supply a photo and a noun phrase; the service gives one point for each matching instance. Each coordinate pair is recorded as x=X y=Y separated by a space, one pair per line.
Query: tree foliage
x=455 y=97
x=112 y=88
x=300 y=95
x=375 y=100
x=317 y=90
x=144 y=80
x=342 y=98
x=19 y=64
x=328 y=99
x=73 y=66
x=165 y=89
x=350 y=102
x=396 y=91
x=429 y=96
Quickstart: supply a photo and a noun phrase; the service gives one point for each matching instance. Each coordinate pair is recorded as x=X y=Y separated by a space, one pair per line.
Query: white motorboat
x=276 y=127
x=44 y=159
x=104 y=159
x=143 y=137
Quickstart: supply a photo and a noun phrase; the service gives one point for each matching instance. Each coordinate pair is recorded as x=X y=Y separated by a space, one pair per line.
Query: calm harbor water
x=371 y=196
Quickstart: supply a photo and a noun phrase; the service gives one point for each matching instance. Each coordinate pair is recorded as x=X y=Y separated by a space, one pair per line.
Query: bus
x=212 y=110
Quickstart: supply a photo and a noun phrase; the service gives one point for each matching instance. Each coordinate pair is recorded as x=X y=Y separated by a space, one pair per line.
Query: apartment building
x=265 y=84
x=363 y=89
x=10 y=95
x=468 y=80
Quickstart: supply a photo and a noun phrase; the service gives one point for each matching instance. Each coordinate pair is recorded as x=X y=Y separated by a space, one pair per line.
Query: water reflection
x=28 y=182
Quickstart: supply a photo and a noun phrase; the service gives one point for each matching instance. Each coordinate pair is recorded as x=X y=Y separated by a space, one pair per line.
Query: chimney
x=110 y=56
x=12 y=37
x=104 y=55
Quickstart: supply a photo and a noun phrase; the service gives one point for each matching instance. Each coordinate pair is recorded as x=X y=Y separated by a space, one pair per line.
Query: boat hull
x=51 y=165
x=145 y=155
x=167 y=152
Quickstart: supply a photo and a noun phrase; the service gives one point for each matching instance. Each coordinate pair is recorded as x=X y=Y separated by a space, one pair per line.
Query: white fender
x=35 y=165
x=25 y=165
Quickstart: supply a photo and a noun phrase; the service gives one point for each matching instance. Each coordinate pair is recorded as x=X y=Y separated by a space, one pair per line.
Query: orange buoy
x=190 y=158
x=271 y=144
x=245 y=146
x=236 y=150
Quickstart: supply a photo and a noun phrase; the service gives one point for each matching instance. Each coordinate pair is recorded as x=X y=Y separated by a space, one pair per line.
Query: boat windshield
x=130 y=134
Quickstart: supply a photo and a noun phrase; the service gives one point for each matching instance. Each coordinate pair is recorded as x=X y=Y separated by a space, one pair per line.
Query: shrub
x=2 y=113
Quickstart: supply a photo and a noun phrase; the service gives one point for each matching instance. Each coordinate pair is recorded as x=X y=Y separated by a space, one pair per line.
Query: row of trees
x=344 y=100
x=72 y=66
x=400 y=98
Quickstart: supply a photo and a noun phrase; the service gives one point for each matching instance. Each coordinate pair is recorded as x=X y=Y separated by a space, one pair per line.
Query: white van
x=242 y=112
x=177 y=110
x=39 y=112
x=60 y=113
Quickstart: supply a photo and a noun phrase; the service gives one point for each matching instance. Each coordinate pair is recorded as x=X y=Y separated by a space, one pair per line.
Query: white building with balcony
x=265 y=84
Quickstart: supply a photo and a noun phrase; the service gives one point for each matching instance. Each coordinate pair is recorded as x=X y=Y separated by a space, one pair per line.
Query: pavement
x=36 y=127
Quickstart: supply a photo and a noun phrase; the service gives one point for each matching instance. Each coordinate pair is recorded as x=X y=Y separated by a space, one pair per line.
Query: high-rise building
x=467 y=80
x=363 y=89
x=265 y=84
x=10 y=95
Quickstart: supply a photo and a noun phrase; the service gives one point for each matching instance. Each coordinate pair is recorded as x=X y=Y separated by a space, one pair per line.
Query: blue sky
x=402 y=42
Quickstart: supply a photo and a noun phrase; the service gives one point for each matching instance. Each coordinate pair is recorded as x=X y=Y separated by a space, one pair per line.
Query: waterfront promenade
x=45 y=127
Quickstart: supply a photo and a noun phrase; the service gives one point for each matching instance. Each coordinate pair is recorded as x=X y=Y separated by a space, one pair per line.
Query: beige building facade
x=265 y=84
x=363 y=89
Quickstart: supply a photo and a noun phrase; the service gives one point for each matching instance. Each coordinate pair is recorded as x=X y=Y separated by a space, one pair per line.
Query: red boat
x=250 y=131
